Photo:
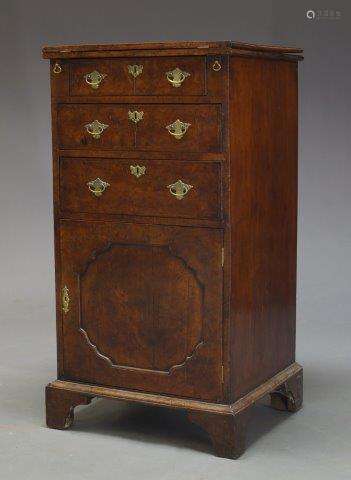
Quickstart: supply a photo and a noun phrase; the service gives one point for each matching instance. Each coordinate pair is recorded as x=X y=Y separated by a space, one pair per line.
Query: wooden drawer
x=141 y=191
x=199 y=128
x=138 y=76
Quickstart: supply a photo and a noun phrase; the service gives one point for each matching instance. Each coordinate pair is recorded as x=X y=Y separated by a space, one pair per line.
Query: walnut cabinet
x=175 y=204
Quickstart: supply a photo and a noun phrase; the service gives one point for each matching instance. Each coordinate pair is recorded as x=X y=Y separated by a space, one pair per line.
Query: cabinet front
x=141 y=307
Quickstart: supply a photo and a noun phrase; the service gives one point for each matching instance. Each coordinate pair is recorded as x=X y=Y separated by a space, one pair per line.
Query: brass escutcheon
x=178 y=128
x=57 y=68
x=97 y=187
x=95 y=128
x=135 y=116
x=65 y=299
x=94 y=79
x=177 y=76
x=135 y=70
x=179 y=189
x=137 y=170
x=216 y=66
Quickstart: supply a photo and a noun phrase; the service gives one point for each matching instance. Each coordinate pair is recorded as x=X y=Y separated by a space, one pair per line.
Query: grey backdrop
x=316 y=442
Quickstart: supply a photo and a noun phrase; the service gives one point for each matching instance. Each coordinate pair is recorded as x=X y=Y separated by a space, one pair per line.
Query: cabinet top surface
x=183 y=47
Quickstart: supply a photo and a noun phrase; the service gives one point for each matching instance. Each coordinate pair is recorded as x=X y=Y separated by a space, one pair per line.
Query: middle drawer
x=144 y=188
x=191 y=128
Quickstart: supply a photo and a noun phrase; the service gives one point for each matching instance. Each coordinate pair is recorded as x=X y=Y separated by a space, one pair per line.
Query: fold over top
x=225 y=47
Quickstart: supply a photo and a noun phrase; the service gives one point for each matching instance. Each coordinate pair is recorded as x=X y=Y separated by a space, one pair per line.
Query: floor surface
x=112 y=440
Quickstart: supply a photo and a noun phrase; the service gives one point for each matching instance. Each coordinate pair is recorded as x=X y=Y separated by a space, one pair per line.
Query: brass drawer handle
x=178 y=129
x=94 y=79
x=135 y=70
x=179 y=189
x=135 y=116
x=95 y=128
x=137 y=170
x=216 y=66
x=97 y=187
x=57 y=68
x=177 y=76
x=65 y=299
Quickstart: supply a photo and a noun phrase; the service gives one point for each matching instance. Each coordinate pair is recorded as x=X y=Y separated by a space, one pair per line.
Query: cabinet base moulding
x=226 y=424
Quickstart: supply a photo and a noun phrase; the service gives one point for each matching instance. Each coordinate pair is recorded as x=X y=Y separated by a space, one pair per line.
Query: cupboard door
x=142 y=307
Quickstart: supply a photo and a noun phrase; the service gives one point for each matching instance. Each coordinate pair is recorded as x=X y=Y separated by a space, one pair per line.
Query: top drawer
x=138 y=76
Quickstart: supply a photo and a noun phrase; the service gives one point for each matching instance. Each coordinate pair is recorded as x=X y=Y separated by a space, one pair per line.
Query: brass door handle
x=178 y=129
x=177 y=76
x=94 y=79
x=97 y=187
x=135 y=116
x=57 y=68
x=179 y=189
x=95 y=128
x=216 y=66
x=135 y=70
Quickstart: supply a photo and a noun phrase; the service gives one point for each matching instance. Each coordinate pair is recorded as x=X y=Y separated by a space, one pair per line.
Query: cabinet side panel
x=58 y=84
x=263 y=203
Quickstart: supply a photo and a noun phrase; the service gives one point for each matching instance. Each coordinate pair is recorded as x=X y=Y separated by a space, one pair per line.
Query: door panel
x=144 y=307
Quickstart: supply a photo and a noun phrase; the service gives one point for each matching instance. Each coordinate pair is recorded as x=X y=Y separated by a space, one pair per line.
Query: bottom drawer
x=148 y=188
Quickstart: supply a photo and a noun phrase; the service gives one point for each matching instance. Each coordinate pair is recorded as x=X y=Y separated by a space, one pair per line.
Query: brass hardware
x=94 y=78
x=222 y=374
x=135 y=70
x=178 y=129
x=222 y=259
x=57 y=68
x=216 y=66
x=179 y=189
x=137 y=170
x=135 y=116
x=97 y=187
x=95 y=128
x=177 y=76
x=65 y=299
